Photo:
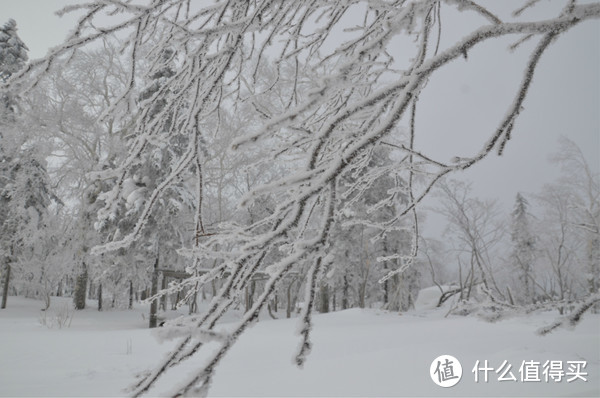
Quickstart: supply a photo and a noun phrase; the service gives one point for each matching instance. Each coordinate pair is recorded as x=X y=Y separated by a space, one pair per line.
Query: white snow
x=429 y=297
x=355 y=353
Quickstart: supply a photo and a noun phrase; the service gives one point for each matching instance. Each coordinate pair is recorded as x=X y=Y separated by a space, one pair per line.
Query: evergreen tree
x=164 y=229
x=13 y=56
x=24 y=186
x=13 y=52
x=523 y=253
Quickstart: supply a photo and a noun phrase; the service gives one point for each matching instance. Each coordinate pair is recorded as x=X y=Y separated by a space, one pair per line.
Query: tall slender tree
x=523 y=253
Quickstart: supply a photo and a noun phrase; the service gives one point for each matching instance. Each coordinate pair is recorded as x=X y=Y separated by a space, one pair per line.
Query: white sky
x=464 y=102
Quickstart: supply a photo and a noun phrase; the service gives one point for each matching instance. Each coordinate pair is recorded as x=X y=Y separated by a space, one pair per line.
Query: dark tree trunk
x=250 y=295
x=163 y=299
x=193 y=304
x=345 y=289
x=386 y=292
x=154 y=303
x=386 y=286
x=100 y=297
x=5 y=286
x=333 y=299
x=80 y=288
x=130 y=295
x=362 y=292
x=177 y=298
x=59 y=289
x=324 y=298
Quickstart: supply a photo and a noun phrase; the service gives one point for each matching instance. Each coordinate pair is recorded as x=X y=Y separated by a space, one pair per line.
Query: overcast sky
x=465 y=101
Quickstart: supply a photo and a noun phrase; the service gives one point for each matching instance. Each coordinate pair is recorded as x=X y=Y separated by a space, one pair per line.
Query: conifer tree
x=523 y=253
x=24 y=186
x=13 y=56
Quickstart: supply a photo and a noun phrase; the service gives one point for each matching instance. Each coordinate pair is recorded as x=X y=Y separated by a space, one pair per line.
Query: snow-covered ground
x=355 y=353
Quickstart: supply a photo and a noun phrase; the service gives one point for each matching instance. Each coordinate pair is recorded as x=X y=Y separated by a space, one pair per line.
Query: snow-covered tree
x=559 y=247
x=583 y=185
x=474 y=225
x=25 y=192
x=63 y=111
x=569 y=228
x=357 y=242
x=523 y=253
x=13 y=56
x=13 y=52
x=328 y=128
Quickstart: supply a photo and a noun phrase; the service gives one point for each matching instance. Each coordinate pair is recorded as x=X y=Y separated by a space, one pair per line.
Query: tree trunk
x=177 y=298
x=386 y=293
x=100 y=297
x=154 y=290
x=288 y=311
x=193 y=306
x=324 y=298
x=333 y=303
x=213 y=284
x=345 y=289
x=510 y=297
x=163 y=299
x=59 y=289
x=386 y=287
x=594 y=267
x=250 y=295
x=130 y=294
x=362 y=289
x=46 y=300
x=91 y=291
x=80 y=288
x=5 y=287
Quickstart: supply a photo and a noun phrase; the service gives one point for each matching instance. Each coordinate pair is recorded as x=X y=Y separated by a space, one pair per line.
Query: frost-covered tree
x=13 y=52
x=523 y=253
x=24 y=200
x=327 y=128
x=569 y=230
x=474 y=225
x=25 y=192
x=558 y=246
x=13 y=57
x=64 y=111
x=358 y=245
x=583 y=185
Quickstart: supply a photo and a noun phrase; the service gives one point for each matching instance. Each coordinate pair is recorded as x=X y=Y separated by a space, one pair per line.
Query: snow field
x=355 y=353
